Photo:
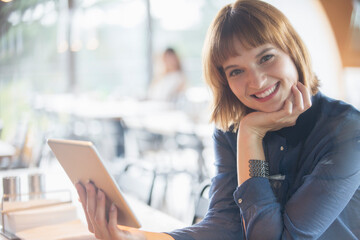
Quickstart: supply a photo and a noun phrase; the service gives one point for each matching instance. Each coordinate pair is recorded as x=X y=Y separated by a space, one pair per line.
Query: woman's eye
x=235 y=72
x=266 y=58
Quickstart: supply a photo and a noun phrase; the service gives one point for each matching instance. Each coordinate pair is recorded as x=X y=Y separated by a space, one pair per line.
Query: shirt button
x=282 y=148
x=239 y=200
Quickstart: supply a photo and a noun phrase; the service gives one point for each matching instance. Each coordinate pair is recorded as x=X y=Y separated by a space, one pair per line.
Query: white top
x=166 y=88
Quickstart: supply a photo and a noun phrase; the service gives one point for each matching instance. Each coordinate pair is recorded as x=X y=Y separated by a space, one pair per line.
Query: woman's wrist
x=249 y=146
x=251 y=132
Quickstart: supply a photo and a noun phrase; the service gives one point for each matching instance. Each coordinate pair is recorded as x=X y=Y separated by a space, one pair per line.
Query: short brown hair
x=253 y=23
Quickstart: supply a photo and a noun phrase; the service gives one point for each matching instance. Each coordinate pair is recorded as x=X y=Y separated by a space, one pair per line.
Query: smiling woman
x=286 y=156
x=238 y=34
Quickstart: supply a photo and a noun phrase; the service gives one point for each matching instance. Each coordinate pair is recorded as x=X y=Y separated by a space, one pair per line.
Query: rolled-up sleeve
x=256 y=201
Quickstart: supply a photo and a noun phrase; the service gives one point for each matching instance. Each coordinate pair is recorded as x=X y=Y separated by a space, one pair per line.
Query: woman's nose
x=256 y=78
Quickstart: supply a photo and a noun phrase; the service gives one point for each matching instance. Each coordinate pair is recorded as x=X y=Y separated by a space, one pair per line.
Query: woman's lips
x=267 y=94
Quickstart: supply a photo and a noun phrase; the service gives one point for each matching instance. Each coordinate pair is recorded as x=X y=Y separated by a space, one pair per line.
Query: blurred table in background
x=89 y=108
x=100 y=121
x=88 y=119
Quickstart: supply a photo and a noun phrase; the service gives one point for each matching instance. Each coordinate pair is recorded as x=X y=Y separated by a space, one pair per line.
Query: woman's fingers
x=301 y=101
x=298 y=99
x=298 y=102
x=99 y=218
x=285 y=117
x=305 y=94
x=282 y=115
x=91 y=206
x=83 y=199
x=82 y=194
x=287 y=109
x=91 y=200
x=112 y=226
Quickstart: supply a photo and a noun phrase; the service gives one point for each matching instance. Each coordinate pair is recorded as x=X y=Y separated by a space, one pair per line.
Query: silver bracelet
x=258 y=168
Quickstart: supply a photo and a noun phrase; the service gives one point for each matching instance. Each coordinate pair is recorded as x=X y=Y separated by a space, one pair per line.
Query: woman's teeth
x=267 y=92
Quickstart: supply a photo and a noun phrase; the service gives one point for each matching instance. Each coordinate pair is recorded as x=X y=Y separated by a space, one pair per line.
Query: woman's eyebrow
x=264 y=51
x=230 y=66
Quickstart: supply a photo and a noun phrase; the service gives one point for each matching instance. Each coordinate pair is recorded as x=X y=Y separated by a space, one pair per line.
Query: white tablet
x=82 y=163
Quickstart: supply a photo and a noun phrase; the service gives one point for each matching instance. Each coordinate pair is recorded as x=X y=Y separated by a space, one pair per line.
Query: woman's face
x=171 y=62
x=261 y=77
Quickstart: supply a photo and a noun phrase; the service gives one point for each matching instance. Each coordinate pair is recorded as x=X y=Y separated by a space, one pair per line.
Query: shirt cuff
x=179 y=235
x=255 y=190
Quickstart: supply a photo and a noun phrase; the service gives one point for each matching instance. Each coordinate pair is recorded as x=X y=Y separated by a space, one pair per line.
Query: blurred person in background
x=171 y=82
x=286 y=156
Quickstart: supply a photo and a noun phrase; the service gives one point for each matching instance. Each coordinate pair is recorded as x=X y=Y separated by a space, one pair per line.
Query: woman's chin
x=268 y=109
x=272 y=109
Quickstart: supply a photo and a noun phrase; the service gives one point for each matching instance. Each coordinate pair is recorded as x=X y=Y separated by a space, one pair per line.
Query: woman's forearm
x=139 y=234
x=249 y=147
x=157 y=236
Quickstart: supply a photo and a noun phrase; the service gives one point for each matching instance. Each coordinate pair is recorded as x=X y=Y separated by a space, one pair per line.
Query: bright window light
x=128 y=15
x=177 y=15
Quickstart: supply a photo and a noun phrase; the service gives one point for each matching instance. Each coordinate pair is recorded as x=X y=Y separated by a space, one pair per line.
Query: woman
x=287 y=157
x=172 y=82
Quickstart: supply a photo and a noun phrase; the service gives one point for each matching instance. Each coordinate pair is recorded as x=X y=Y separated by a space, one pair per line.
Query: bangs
x=251 y=28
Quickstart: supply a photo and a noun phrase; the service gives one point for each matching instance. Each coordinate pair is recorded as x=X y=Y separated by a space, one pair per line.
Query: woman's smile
x=267 y=94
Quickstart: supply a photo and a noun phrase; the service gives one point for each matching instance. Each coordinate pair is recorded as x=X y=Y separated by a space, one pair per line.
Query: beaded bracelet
x=258 y=168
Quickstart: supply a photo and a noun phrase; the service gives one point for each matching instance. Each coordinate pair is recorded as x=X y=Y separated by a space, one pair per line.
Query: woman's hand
x=255 y=125
x=93 y=202
x=259 y=123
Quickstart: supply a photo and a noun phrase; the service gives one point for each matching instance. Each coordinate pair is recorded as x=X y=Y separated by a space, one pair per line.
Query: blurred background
x=126 y=75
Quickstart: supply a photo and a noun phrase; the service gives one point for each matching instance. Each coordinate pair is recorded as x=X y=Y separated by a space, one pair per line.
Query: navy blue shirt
x=314 y=189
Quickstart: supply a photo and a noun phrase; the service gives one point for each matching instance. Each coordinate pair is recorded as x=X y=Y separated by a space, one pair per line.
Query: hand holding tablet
x=83 y=164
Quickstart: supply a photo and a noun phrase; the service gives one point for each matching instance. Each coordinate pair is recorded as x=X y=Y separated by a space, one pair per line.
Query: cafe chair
x=202 y=202
x=192 y=141
x=165 y=156
x=137 y=179
x=148 y=142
